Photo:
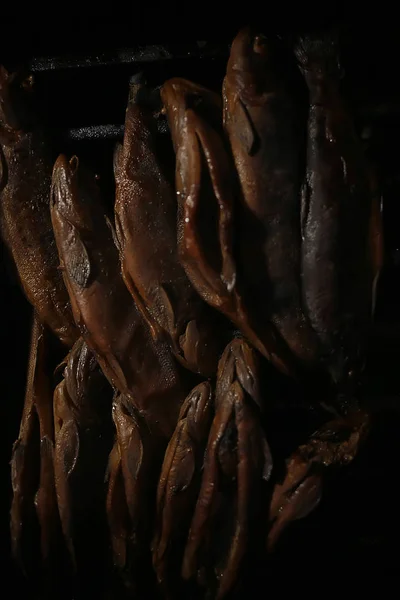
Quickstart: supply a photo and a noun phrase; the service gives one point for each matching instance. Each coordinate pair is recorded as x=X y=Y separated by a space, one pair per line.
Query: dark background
x=353 y=535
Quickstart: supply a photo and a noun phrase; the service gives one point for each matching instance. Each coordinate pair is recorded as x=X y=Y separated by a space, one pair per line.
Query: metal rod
x=96 y=132
x=154 y=53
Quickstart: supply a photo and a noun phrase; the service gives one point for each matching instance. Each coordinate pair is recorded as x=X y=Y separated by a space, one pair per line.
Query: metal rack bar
x=96 y=132
x=122 y=56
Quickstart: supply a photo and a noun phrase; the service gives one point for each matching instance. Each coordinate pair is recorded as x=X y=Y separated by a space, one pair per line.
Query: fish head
x=249 y=67
x=74 y=191
x=180 y=95
x=78 y=221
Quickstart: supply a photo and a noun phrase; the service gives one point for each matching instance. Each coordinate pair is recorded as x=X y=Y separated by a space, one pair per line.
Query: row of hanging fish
x=248 y=234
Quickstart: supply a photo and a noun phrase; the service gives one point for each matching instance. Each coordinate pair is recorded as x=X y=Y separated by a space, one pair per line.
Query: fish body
x=82 y=423
x=143 y=370
x=337 y=269
x=32 y=462
x=146 y=228
x=207 y=193
x=25 y=180
x=261 y=119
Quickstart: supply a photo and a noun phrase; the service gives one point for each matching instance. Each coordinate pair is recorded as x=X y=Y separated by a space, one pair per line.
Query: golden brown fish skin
x=25 y=179
x=83 y=430
x=261 y=121
x=336 y=208
x=142 y=370
x=336 y=443
x=146 y=215
x=205 y=183
x=236 y=461
x=179 y=96
x=32 y=463
x=179 y=484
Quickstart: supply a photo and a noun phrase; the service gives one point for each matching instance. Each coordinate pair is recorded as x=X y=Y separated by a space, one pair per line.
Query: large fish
x=337 y=270
x=261 y=118
x=205 y=183
x=143 y=370
x=25 y=179
x=145 y=216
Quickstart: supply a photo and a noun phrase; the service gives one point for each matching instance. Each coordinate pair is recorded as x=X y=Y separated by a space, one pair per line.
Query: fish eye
x=259 y=43
x=194 y=101
x=28 y=82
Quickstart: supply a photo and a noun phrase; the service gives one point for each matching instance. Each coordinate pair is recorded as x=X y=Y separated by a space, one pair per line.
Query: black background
x=353 y=535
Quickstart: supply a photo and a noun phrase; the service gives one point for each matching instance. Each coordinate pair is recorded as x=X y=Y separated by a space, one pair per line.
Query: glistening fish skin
x=25 y=178
x=206 y=189
x=336 y=208
x=179 y=484
x=261 y=120
x=145 y=216
x=141 y=369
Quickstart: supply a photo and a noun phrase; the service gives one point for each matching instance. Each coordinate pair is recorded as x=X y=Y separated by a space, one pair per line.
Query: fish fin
x=268 y=461
x=155 y=329
x=76 y=260
x=117 y=157
x=216 y=159
x=113 y=233
x=68 y=440
x=303 y=498
x=3 y=170
x=245 y=129
x=169 y=306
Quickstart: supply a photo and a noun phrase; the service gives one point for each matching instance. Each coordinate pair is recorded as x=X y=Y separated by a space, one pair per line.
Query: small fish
x=237 y=460
x=179 y=484
x=32 y=463
x=83 y=430
x=336 y=443
x=134 y=468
